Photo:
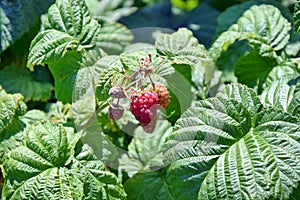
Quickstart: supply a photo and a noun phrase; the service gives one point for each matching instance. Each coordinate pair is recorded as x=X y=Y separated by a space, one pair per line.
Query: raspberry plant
x=220 y=97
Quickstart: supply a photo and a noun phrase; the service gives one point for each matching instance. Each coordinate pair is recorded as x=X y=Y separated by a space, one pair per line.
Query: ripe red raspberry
x=115 y=111
x=144 y=106
x=163 y=95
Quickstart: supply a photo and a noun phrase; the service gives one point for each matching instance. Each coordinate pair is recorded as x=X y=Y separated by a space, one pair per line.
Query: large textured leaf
x=17 y=17
x=146 y=186
x=70 y=28
x=46 y=166
x=218 y=150
x=297 y=17
x=19 y=80
x=243 y=95
x=262 y=26
x=286 y=72
x=144 y=150
x=283 y=96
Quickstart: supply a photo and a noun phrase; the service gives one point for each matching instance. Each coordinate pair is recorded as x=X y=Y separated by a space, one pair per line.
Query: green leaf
x=49 y=46
x=144 y=150
x=17 y=17
x=282 y=96
x=70 y=28
x=252 y=69
x=113 y=37
x=33 y=116
x=285 y=72
x=48 y=166
x=107 y=79
x=233 y=13
x=98 y=183
x=112 y=10
x=228 y=58
x=267 y=24
x=19 y=80
x=64 y=72
x=11 y=106
x=244 y=95
x=147 y=186
x=218 y=150
x=11 y=138
x=297 y=17
x=182 y=47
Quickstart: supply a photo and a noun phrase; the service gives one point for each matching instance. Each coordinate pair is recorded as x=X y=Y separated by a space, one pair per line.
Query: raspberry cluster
x=143 y=104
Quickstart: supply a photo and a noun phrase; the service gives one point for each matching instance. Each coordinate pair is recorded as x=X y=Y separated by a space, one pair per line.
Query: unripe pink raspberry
x=115 y=111
x=117 y=92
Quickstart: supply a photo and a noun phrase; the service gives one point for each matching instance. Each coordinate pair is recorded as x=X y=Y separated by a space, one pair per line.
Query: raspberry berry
x=115 y=111
x=163 y=95
x=144 y=106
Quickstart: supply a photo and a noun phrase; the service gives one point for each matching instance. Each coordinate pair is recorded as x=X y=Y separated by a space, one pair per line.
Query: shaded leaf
x=17 y=17
x=147 y=186
x=252 y=69
x=19 y=80
x=64 y=72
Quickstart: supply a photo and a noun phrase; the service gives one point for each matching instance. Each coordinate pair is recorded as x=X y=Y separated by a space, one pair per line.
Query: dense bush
x=147 y=99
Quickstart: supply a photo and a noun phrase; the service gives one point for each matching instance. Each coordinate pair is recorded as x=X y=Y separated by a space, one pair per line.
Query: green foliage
x=149 y=185
x=297 y=17
x=17 y=17
x=266 y=31
x=283 y=96
x=112 y=10
x=71 y=27
x=48 y=165
x=108 y=78
x=20 y=80
x=12 y=106
x=144 y=151
x=222 y=138
x=215 y=140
